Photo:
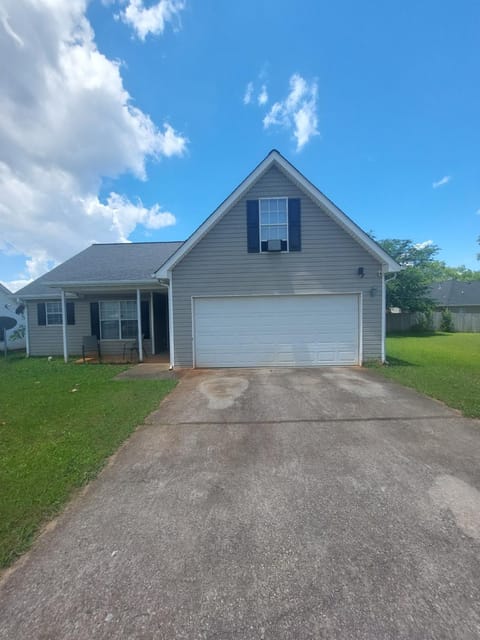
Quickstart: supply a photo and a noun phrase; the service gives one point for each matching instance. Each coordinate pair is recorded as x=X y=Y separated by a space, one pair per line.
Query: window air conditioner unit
x=274 y=245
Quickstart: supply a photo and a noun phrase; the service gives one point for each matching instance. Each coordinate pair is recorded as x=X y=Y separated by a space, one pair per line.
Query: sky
x=132 y=120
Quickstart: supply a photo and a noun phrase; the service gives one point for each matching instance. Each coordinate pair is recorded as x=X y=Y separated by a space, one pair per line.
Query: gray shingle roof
x=456 y=293
x=5 y=290
x=126 y=262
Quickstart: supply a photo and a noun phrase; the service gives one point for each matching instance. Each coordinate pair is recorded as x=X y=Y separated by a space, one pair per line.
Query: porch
x=130 y=324
x=112 y=358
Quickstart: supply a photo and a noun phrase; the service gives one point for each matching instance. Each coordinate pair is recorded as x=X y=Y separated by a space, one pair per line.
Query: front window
x=118 y=320
x=53 y=312
x=273 y=222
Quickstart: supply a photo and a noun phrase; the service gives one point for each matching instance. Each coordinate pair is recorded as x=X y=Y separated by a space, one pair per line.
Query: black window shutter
x=253 y=227
x=144 y=309
x=41 y=314
x=294 y=225
x=70 y=312
x=95 y=319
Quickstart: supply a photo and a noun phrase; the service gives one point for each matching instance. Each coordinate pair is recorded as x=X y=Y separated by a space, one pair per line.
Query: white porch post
x=64 y=327
x=384 y=315
x=139 y=327
x=170 y=321
x=27 y=330
x=152 y=328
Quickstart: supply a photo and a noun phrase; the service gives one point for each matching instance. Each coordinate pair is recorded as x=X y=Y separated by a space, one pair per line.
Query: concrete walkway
x=279 y=504
x=147 y=371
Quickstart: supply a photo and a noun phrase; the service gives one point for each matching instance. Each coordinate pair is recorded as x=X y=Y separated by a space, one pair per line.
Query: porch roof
x=104 y=267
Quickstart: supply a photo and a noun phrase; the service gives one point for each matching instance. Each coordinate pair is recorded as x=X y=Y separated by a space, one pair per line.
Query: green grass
x=445 y=366
x=54 y=439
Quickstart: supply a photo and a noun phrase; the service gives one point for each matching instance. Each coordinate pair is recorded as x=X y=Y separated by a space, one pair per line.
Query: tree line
x=409 y=288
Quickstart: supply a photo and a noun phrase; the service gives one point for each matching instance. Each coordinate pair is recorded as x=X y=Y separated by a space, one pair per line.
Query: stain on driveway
x=268 y=504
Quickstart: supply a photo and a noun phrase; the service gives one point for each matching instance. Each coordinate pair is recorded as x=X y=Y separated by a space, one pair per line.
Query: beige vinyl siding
x=220 y=265
x=48 y=340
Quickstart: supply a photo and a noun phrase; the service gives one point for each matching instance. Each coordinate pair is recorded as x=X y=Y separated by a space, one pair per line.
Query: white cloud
x=263 y=96
x=67 y=122
x=297 y=112
x=247 y=96
x=35 y=266
x=305 y=124
x=145 y=20
x=423 y=245
x=8 y=28
x=441 y=182
x=124 y=215
x=170 y=142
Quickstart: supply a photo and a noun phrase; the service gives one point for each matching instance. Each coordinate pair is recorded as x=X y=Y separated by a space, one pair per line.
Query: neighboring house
x=11 y=308
x=276 y=276
x=457 y=296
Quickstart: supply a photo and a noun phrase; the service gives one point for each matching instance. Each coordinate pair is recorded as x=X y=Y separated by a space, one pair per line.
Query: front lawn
x=445 y=366
x=58 y=425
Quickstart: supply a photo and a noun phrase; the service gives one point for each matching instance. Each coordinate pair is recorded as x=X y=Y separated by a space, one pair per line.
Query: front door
x=160 y=322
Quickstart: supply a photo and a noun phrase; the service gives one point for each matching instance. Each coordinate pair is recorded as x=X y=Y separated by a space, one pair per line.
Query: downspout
x=384 y=315
x=64 y=327
x=171 y=337
x=139 y=327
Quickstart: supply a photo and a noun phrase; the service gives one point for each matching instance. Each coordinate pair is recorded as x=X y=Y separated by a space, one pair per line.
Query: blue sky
x=134 y=120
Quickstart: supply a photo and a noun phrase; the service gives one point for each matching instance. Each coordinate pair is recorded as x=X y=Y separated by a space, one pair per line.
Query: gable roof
x=5 y=290
x=455 y=293
x=275 y=158
x=125 y=262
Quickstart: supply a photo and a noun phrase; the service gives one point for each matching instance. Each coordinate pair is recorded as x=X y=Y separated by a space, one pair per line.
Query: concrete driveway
x=268 y=504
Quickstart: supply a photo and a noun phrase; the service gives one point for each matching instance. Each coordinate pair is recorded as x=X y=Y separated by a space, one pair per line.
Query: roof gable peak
x=275 y=157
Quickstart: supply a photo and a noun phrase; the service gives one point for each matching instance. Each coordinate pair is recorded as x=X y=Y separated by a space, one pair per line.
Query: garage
x=276 y=330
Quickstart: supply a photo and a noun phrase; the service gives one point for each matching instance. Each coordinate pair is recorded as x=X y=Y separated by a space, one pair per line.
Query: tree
x=409 y=288
x=409 y=254
x=437 y=270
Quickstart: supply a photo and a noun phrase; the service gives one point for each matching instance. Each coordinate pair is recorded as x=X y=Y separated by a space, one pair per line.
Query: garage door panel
x=276 y=330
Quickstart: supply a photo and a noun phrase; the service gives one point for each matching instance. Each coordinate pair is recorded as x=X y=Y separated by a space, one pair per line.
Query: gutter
x=102 y=283
x=45 y=296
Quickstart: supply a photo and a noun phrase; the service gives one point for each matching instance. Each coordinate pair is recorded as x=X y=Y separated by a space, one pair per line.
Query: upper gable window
x=274 y=219
x=273 y=222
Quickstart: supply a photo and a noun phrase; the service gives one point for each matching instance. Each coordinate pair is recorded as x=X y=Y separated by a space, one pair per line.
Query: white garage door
x=255 y=331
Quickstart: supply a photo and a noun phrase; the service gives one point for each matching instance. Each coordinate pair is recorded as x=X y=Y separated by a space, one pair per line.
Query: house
x=457 y=296
x=10 y=308
x=276 y=276
x=100 y=289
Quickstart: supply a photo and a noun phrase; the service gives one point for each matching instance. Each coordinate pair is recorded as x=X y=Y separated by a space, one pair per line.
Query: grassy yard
x=58 y=424
x=445 y=366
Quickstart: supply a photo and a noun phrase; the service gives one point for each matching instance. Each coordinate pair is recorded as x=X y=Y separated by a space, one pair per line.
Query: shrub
x=446 y=323
x=425 y=322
